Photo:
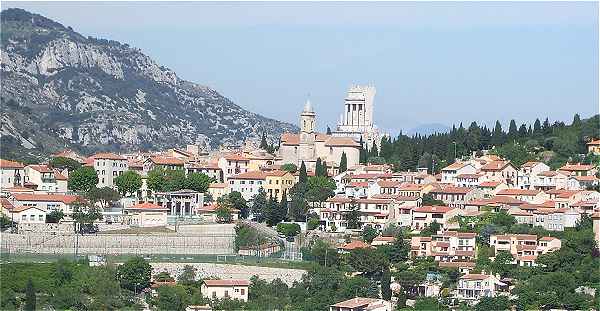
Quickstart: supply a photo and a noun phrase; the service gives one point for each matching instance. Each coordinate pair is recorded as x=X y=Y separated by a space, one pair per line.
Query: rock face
x=61 y=89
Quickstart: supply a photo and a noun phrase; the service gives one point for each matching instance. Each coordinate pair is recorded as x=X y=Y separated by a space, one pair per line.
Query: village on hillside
x=479 y=232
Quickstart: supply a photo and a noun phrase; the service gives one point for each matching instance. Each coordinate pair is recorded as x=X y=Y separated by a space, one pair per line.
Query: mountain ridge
x=62 y=89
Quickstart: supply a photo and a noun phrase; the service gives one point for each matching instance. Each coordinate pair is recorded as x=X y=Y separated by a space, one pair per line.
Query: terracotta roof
x=411 y=187
x=475 y=276
x=19 y=209
x=595 y=142
x=576 y=167
x=276 y=173
x=163 y=283
x=41 y=168
x=10 y=164
x=107 y=156
x=585 y=178
x=358 y=184
x=217 y=185
x=355 y=244
x=453 y=190
x=59 y=176
x=341 y=142
x=250 y=175
x=455 y=166
x=67 y=199
x=135 y=163
x=527 y=192
x=228 y=282
x=490 y=184
x=339 y=199
x=548 y=238
x=385 y=238
x=290 y=139
x=495 y=166
x=236 y=157
x=321 y=137
x=147 y=206
x=549 y=173
x=355 y=302
x=433 y=209
x=160 y=160
x=388 y=183
x=464 y=176
x=5 y=203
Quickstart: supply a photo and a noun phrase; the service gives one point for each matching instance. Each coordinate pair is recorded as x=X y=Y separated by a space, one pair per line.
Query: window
x=23 y=217
x=242 y=291
x=214 y=295
x=31 y=217
x=226 y=293
x=41 y=217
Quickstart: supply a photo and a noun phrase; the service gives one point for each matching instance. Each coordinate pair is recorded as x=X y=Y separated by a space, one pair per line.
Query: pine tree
x=386 y=292
x=546 y=127
x=324 y=169
x=523 y=131
x=328 y=130
x=343 y=163
x=282 y=211
x=302 y=177
x=30 y=299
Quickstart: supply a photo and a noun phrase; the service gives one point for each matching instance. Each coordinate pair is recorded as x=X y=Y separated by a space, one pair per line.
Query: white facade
x=11 y=174
x=108 y=166
x=233 y=289
x=28 y=215
x=357 y=119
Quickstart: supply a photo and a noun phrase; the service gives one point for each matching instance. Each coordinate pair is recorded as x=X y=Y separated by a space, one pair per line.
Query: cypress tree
x=302 y=177
x=263 y=142
x=319 y=168
x=328 y=130
x=386 y=291
x=537 y=127
x=576 y=120
x=30 y=299
x=343 y=163
x=512 y=130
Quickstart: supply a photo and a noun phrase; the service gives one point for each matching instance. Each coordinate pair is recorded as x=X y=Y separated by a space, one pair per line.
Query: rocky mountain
x=61 y=89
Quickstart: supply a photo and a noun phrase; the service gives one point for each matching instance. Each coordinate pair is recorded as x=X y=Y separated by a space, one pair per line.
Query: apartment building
x=108 y=166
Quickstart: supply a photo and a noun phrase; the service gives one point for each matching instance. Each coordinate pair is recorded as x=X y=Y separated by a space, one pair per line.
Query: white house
x=108 y=166
x=28 y=215
x=475 y=286
x=11 y=174
x=450 y=172
x=145 y=215
x=233 y=289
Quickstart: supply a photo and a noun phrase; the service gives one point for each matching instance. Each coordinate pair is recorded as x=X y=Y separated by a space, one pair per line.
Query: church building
x=309 y=145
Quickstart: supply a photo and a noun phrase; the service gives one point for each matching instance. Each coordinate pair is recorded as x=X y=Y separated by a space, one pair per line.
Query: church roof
x=341 y=142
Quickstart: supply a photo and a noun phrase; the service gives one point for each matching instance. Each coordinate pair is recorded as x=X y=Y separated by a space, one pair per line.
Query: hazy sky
x=436 y=62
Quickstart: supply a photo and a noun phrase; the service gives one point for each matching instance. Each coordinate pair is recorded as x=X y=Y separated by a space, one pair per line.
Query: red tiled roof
x=10 y=164
x=453 y=190
x=495 y=166
x=217 y=185
x=65 y=198
x=358 y=184
x=433 y=209
x=147 y=206
x=354 y=303
x=388 y=183
x=341 y=142
x=475 y=276
x=339 y=199
x=576 y=167
x=229 y=282
x=250 y=175
x=59 y=176
x=455 y=166
x=160 y=160
x=530 y=164
x=290 y=139
x=491 y=184
x=5 y=203
x=527 y=192
x=19 y=209
x=355 y=244
x=107 y=156
x=595 y=142
x=585 y=178
x=41 y=168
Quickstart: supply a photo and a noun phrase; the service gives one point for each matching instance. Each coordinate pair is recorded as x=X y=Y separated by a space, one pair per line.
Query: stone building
x=309 y=145
x=357 y=119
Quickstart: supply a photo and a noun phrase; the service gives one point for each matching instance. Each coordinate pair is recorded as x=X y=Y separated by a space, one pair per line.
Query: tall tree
x=512 y=130
x=128 y=183
x=343 y=163
x=497 y=135
x=259 y=205
x=537 y=127
x=134 y=274
x=62 y=163
x=197 y=182
x=353 y=216
x=576 y=120
x=328 y=130
x=83 y=179
x=318 y=167
x=263 y=142
x=386 y=278
x=302 y=177
x=105 y=196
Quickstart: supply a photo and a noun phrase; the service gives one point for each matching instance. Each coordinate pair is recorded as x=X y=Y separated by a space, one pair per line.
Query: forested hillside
x=553 y=143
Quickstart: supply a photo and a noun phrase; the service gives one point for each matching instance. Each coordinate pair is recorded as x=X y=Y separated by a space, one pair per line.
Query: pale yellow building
x=146 y=215
x=277 y=183
x=218 y=190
